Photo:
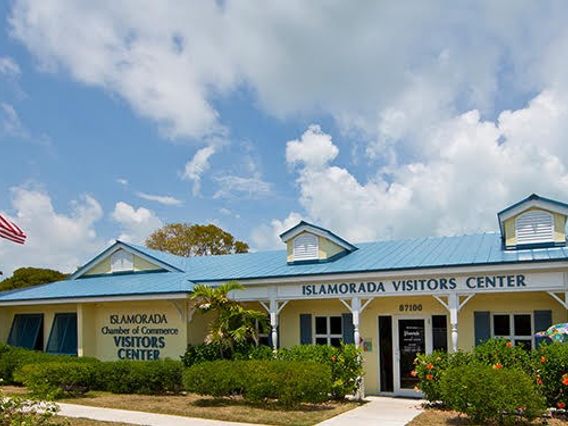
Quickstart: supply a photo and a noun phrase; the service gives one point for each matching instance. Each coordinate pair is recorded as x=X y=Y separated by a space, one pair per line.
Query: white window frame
x=327 y=335
x=121 y=261
x=512 y=337
x=303 y=256
x=549 y=237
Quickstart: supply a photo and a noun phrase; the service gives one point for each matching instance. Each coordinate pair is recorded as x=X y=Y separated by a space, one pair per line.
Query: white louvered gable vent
x=535 y=226
x=306 y=247
x=122 y=261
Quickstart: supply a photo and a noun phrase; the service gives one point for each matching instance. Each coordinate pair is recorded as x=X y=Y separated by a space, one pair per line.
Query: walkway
x=380 y=410
x=136 y=417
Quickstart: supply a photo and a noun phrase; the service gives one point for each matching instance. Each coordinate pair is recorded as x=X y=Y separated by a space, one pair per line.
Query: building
x=395 y=298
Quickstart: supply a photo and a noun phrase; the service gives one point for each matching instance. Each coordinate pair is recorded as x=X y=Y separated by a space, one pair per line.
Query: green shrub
x=289 y=382
x=216 y=378
x=502 y=353
x=552 y=373
x=487 y=394
x=12 y=359
x=344 y=362
x=430 y=369
x=215 y=351
x=53 y=380
x=141 y=377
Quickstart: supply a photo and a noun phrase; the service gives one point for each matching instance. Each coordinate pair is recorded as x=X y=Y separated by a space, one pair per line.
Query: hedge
x=288 y=382
x=491 y=395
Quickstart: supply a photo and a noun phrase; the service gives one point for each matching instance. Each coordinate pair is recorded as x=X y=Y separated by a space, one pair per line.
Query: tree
x=233 y=323
x=29 y=277
x=188 y=240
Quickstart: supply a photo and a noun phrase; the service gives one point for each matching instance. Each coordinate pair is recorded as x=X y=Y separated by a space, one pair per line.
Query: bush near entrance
x=546 y=368
x=289 y=382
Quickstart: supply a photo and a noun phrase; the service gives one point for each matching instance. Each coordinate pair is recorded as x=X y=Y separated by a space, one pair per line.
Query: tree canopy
x=184 y=239
x=29 y=277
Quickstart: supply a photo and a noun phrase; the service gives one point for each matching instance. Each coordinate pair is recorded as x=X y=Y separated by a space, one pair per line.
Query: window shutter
x=348 y=329
x=306 y=329
x=542 y=320
x=482 y=325
x=534 y=226
x=306 y=247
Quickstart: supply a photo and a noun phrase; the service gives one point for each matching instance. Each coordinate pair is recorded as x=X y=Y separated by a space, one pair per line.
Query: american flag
x=11 y=231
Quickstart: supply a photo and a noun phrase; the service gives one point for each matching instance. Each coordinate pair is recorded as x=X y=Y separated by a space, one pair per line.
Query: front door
x=412 y=338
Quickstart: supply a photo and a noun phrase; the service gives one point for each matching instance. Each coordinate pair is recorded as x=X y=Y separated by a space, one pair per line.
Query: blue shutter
x=482 y=325
x=348 y=329
x=306 y=329
x=63 y=336
x=542 y=320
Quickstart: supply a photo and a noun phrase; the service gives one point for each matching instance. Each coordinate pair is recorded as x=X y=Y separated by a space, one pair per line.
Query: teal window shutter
x=306 y=329
x=63 y=336
x=542 y=320
x=482 y=326
x=27 y=331
x=348 y=329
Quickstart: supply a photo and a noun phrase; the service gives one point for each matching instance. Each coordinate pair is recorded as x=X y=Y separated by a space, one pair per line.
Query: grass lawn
x=227 y=409
x=71 y=421
x=434 y=417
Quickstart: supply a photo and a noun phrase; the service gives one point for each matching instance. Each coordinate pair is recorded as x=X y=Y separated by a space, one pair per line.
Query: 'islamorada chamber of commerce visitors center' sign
x=394 y=298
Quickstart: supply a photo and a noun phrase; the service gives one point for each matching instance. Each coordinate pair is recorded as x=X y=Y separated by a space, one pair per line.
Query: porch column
x=356 y=310
x=454 y=307
x=274 y=323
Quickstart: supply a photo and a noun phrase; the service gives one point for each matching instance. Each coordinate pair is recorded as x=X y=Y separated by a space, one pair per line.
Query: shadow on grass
x=266 y=405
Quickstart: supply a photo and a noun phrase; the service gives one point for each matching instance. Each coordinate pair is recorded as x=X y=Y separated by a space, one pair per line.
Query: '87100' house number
x=415 y=307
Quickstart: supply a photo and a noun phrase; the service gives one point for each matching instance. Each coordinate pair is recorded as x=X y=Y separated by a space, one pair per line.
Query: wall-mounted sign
x=139 y=336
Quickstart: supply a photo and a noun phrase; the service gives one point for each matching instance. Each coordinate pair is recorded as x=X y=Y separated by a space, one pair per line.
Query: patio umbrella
x=557 y=333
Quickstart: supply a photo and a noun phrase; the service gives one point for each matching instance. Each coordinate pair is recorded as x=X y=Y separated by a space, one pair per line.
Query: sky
x=377 y=120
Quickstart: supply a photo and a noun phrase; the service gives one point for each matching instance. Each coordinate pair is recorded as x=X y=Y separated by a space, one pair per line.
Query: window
x=329 y=331
x=515 y=327
x=440 y=333
x=63 y=336
x=27 y=331
x=263 y=334
x=306 y=247
x=535 y=226
x=122 y=261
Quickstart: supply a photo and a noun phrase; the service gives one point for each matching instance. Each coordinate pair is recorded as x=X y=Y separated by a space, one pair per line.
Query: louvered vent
x=306 y=247
x=535 y=227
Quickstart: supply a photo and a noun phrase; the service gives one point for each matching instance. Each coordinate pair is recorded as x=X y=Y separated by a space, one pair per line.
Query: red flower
x=430 y=366
x=542 y=359
x=561 y=405
x=429 y=377
x=538 y=380
x=565 y=379
x=498 y=366
x=509 y=344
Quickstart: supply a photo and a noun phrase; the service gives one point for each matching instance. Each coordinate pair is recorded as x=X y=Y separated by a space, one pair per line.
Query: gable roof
x=304 y=226
x=146 y=254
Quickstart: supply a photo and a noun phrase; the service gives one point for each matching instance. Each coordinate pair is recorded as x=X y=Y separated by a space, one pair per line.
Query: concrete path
x=380 y=411
x=136 y=417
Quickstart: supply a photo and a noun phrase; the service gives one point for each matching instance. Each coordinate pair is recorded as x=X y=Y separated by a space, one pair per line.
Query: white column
x=274 y=323
x=355 y=311
x=454 y=305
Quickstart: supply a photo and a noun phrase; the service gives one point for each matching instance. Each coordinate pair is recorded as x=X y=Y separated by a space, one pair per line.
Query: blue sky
x=378 y=121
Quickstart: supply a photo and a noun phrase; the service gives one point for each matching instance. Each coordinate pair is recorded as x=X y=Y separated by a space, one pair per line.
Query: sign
x=139 y=336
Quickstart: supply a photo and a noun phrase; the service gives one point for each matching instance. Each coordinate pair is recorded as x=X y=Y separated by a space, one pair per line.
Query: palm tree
x=233 y=324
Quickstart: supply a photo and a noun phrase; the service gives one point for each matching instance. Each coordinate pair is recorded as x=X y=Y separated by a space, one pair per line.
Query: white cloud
x=9 y=67
x=468 y=171
x=136 y=224
x=315 y=149
x=57 y=240
x=122 y=181
x=239 y=186
x=266 y=237
x=166 y=200
x=198 y=165
x=10 y=123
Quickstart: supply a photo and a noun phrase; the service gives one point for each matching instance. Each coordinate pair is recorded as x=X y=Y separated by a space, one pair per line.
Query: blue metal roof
x=423 y=253
x=104 y=286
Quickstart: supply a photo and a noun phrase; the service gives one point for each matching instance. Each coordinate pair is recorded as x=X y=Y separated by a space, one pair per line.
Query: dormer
x=307 y=243
x=534 y=222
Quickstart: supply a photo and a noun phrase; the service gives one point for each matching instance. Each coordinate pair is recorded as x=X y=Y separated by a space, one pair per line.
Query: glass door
x=412 y=339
